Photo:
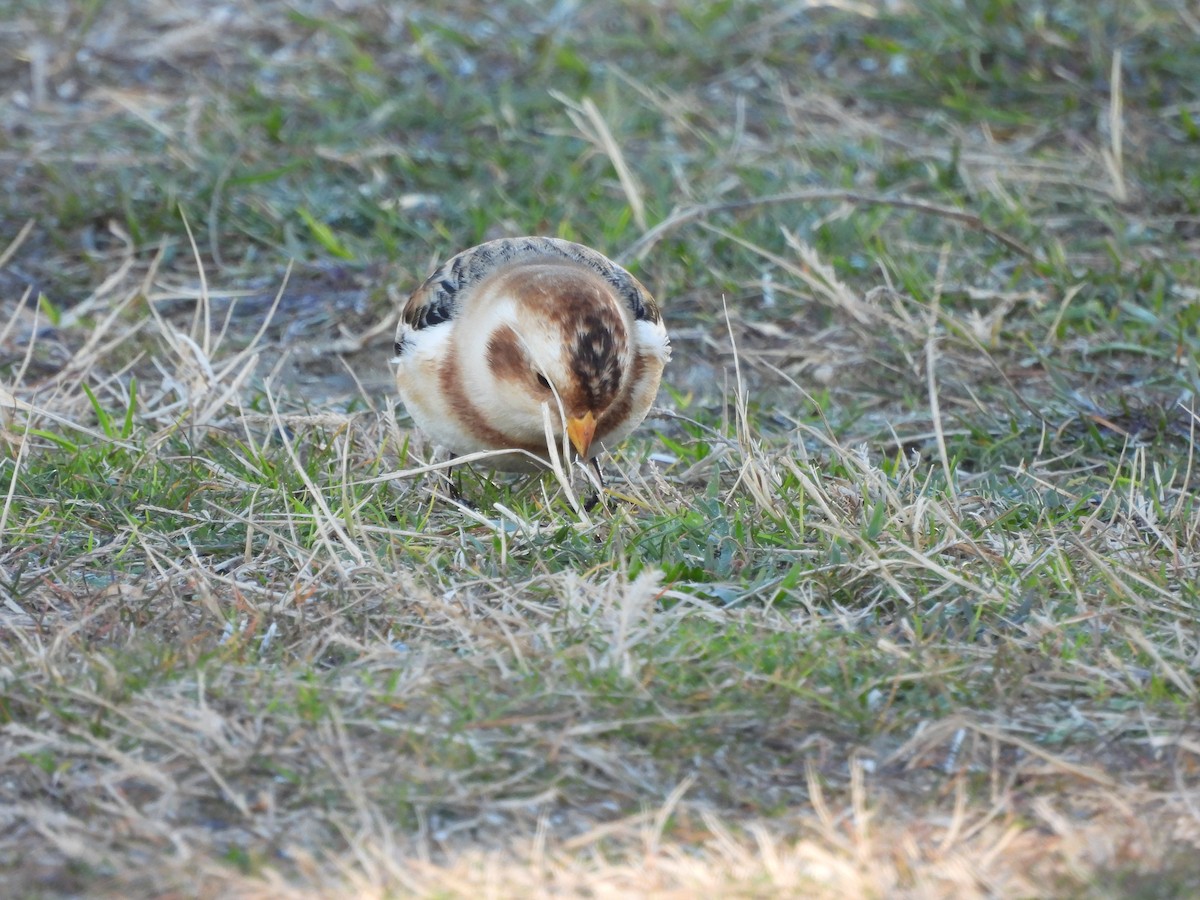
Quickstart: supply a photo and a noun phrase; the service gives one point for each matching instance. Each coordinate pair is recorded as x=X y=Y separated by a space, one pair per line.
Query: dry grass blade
x=1114 y=156
x=935 y=411
x=811 y=272
x=644 y=244
x=15 y=244
x=590 y=123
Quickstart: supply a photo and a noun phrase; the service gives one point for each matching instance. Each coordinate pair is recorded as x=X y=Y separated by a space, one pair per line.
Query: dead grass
x=897 y=598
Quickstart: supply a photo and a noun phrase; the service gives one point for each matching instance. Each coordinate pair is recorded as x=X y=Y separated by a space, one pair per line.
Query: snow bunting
x=506 y=328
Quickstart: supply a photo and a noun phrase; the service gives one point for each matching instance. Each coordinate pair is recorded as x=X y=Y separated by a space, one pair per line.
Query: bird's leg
x=453 y=485
x=594 y=499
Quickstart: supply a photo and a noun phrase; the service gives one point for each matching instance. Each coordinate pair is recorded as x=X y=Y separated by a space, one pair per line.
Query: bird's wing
x=439 y=299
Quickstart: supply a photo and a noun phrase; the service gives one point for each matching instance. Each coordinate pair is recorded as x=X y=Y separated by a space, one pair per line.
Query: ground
x=894 y=594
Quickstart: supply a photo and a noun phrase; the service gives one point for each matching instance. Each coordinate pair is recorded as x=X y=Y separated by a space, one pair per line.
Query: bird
x=513 y=326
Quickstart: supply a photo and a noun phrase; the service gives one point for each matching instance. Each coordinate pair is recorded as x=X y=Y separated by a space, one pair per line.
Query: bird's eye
x=542 y=381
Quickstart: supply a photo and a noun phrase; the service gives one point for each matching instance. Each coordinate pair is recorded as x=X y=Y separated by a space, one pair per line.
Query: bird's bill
x=581 y=430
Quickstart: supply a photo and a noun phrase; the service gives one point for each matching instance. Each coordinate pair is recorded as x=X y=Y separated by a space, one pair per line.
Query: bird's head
x=563 y=340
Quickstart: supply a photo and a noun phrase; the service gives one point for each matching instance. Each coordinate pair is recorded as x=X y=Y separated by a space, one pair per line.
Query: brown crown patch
x=584 y=309
x=599 y=342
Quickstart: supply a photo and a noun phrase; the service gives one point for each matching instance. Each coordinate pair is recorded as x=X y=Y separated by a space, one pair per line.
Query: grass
x=896 y=592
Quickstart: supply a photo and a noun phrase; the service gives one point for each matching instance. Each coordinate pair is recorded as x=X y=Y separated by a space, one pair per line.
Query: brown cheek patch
x=469 y=416
x=461 y=407
x=505 y=356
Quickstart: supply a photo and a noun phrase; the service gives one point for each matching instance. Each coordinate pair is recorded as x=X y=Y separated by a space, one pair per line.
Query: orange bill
x=581 y=430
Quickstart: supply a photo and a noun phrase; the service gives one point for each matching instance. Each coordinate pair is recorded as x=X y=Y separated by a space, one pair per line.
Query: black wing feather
x=440 y=292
